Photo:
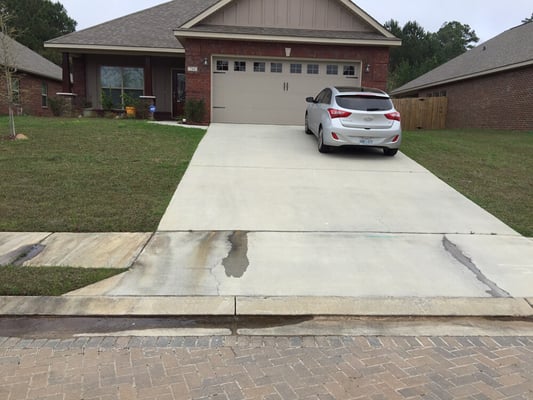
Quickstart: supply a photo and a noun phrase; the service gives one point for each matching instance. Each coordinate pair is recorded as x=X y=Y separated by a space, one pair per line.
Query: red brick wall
x=498 y=101
x=199 y=83
x=30 y=95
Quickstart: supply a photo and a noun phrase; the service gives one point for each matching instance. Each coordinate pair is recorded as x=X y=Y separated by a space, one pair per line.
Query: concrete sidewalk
x=262 y=224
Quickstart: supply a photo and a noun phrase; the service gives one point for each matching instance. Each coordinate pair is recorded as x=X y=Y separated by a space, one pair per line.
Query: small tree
x=8 y=66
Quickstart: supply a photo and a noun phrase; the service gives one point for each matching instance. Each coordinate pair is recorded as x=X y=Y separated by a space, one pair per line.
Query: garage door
x=273 y=91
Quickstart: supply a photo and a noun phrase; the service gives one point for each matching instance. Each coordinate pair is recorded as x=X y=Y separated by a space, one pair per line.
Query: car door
x=314 y=112
x=323 y=106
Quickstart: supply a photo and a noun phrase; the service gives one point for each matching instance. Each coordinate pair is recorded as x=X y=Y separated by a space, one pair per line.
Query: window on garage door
x=332 y=69
x=239 y=66
x=276 y=67
x=259 y=66
x=313 y=69
x=296 y=68
x=222 y=65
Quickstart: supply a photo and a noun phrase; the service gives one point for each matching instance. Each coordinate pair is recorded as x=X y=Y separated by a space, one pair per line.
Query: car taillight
x=394 y=116
x=334 y=113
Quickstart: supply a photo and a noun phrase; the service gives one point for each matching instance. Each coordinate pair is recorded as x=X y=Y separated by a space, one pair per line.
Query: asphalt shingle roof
x=27 y=60
x=512 y=48
x=152 y=27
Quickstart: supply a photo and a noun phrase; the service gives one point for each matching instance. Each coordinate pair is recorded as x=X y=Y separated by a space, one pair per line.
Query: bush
x=57 y=105
x=195 y=110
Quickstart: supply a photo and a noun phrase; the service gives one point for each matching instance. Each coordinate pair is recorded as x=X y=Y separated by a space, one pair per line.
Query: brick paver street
x=243 y=367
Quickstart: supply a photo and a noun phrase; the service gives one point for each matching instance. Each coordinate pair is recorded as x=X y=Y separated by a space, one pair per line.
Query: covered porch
x=110 y=82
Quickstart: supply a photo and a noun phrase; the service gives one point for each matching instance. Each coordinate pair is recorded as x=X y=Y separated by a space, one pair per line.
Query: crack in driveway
x=456 y=252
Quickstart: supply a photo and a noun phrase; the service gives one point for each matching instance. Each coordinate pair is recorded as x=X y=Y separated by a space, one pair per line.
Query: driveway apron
x=260 y=212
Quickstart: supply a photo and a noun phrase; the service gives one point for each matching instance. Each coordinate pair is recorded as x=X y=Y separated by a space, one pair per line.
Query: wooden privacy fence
x=422 y=112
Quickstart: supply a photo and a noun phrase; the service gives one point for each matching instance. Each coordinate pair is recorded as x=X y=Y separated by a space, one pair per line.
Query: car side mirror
x=310 y=99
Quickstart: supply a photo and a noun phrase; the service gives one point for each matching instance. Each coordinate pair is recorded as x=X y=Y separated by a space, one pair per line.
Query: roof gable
x=509 y=50
x=26 y=60
x=328 y=15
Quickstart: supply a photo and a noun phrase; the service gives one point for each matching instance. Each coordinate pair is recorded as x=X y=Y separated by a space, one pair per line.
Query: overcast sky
x=487 y=18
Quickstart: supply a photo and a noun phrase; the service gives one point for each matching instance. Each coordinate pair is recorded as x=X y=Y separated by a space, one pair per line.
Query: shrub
x=57 y=105
x=195 y=110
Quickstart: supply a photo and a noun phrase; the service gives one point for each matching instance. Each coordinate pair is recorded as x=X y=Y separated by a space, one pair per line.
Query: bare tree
x=8 y=66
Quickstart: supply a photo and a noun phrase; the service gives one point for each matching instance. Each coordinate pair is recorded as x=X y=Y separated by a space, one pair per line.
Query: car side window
x=327 y=97
x=320 y=96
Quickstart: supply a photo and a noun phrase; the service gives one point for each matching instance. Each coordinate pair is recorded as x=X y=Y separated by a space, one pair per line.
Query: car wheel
x=321 y=146
x=390 y=152
x=307 y=130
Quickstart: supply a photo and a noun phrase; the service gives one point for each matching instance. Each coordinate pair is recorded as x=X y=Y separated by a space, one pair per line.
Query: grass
x=492 y=168
x=49 y=281
x=90 y=175
x=102 y=175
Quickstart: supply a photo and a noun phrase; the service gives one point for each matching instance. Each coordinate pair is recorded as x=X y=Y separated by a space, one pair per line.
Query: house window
x=313 y=69
x=259 y=67
x=332 y=70
x=15 y=90
x=239 y=66
x=276 y=68
x=44 y=94
x=222 y=65
x=116 y=82
x=349 y=70
x=296 y=68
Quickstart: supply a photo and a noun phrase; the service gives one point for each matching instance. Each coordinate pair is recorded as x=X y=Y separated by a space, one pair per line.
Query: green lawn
x=104 y=175
x=492 y=168
x=49 y=281
x=90 y=174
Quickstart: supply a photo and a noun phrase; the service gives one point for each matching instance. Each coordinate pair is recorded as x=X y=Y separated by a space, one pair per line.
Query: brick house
x=490 y=86
x=34 y=80
x=250 y=61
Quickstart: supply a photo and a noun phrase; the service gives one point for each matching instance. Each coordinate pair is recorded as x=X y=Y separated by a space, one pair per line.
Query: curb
x=112 y=306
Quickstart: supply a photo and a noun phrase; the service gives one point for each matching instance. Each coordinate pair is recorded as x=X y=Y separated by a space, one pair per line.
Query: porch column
x=67 y=85
x=148 y=87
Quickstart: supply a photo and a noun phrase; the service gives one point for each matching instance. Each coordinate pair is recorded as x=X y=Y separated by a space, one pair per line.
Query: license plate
x=366 y=141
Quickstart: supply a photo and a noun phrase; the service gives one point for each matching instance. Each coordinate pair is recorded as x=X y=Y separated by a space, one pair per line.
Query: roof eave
x=286 y=39
x=462 y=78
x=41 y=75
x=84 y=48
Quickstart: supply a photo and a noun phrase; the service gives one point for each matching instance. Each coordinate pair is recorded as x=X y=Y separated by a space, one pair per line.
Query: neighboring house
x=34 y=80
x=251 y=61
x=490 y=86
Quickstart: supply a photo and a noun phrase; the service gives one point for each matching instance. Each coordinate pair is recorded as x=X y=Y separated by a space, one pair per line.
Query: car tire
x=390 y=152
x=321 y=146
x=307 y=130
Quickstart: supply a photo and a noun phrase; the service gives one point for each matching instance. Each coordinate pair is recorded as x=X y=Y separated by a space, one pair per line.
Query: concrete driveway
x=260 y=212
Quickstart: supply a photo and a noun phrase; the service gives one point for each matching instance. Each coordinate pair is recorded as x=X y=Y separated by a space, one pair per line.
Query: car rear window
x=365 y=103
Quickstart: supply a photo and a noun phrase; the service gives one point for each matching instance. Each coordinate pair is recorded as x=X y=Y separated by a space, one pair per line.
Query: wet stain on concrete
x=27 y=253
x=236 y=263
x=203 y=250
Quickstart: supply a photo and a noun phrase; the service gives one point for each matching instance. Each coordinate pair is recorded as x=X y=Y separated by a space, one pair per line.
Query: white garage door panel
x=266 y=97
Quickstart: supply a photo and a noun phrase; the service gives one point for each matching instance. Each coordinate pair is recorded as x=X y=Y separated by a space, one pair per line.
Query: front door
x=178 y=93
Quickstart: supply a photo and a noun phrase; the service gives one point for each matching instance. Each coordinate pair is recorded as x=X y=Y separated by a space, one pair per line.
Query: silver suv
x=354 y=116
